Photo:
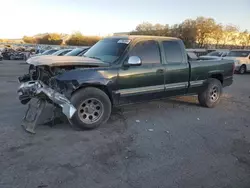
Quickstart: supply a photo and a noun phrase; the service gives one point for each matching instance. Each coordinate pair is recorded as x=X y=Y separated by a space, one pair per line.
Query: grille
x=57 y=85
x=33 y=72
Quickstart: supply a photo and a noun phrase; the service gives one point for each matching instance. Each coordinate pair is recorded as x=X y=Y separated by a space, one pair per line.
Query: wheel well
x=101 y=87
x=218 y=77
x=243 y=65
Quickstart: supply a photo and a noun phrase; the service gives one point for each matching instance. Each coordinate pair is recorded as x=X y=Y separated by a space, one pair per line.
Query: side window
x=173 y=52
x=148 y=51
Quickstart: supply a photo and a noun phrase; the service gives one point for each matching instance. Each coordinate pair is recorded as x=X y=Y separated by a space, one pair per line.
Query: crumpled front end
x=37 y=93
x=37 y=89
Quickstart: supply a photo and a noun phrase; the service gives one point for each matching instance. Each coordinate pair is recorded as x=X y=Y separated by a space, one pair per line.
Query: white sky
x=102 y=17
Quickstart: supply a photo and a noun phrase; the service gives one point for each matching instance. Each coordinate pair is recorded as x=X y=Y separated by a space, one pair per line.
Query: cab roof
x=132 y=37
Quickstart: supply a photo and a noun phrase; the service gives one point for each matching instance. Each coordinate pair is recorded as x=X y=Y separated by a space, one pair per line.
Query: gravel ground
x=167 y=143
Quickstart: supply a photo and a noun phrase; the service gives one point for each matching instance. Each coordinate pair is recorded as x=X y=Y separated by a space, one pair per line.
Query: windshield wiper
x=97 y=59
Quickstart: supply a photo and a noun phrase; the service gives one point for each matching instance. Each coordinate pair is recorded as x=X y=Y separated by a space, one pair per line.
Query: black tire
x=242 y=69
x=88 y=94
x=12 y=57
x=207 y=97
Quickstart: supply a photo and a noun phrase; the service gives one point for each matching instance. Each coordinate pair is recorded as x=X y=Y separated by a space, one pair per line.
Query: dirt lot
x=167 y=143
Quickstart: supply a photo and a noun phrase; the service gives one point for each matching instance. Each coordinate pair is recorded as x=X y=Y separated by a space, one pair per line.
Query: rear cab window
x=173 y=52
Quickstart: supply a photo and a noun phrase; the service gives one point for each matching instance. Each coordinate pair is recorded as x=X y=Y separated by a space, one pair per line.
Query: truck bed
x=203 y=69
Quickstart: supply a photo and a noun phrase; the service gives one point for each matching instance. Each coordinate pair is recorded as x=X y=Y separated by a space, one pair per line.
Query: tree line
x=76 y=39
x=200 y=32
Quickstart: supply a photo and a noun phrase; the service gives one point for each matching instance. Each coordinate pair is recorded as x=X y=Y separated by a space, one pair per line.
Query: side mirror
x=134 y=60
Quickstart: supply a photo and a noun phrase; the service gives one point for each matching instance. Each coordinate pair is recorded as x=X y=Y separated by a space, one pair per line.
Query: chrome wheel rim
x=90 y=111
x=214 y=94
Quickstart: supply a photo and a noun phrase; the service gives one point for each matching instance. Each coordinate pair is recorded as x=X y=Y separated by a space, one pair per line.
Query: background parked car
x=215 y=55
x=192 y=56
x=84 y=51
x=46 y=52
x=198 y=52
x=242 y=60
x=77 y=51
x=11 y=54
x=39 y=51
x=62 y=52
x=49 y=52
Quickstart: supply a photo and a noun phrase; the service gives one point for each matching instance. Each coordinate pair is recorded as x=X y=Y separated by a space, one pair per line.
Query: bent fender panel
x=96 y=77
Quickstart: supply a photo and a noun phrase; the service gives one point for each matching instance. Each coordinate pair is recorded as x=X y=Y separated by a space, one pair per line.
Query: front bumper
x=38 y=89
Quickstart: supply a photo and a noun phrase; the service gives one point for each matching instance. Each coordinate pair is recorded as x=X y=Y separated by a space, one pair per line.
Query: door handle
x=160 y=71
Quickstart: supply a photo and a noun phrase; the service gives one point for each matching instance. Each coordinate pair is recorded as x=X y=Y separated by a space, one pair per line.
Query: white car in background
x=215 y=55
x=241 y=59
x=1 y=56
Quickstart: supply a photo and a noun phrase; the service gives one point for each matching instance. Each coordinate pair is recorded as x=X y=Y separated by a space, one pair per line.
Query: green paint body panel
x=145 y=82
x=126 y=83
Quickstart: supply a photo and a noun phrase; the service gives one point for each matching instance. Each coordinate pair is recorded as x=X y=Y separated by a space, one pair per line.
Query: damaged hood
x=65 y=61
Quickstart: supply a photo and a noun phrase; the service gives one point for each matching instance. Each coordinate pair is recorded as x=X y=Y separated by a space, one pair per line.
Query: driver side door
x=145 y=81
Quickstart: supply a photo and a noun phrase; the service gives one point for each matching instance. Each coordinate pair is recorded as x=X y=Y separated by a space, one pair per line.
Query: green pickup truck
x=119 y=70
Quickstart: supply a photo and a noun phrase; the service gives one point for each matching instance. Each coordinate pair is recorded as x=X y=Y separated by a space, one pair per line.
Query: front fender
x=78 y=78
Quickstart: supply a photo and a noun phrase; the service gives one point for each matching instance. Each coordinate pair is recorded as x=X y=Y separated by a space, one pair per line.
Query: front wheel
x=93 y=108
x=210 y=97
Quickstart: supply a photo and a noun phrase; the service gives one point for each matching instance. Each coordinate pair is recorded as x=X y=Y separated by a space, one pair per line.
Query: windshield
x=48 y=52
x=238 y=53
x=218 y=54
x=74 y=52
x=107 y=50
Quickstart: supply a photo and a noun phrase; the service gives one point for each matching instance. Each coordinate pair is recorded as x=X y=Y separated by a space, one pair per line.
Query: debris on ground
x=198 y=119
x=151 y=130
x=137 y=121
x=42 y=186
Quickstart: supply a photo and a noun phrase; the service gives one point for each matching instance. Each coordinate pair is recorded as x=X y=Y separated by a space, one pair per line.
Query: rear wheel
x=93 y=108
x=242 y=69
x=210 y=97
